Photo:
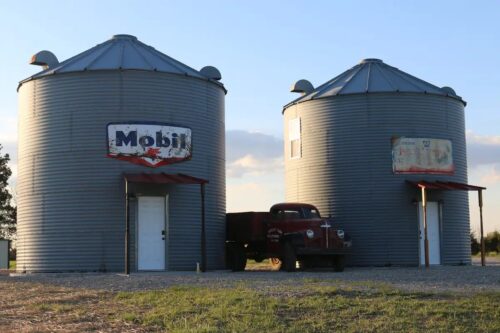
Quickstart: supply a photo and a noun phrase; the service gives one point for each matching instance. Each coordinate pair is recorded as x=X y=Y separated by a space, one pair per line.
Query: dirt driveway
x=464 y=279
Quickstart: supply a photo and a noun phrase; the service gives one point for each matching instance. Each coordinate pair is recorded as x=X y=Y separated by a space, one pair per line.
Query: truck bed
x=246 y=227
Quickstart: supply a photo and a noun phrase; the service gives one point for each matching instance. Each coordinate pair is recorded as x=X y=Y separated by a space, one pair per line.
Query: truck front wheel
x=289 y=258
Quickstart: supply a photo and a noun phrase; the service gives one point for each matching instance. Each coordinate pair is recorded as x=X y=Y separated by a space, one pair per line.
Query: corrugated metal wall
x=346 y=170
x=71 y=210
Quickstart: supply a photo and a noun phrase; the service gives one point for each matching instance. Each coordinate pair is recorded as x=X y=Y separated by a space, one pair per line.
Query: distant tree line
x=491 y=242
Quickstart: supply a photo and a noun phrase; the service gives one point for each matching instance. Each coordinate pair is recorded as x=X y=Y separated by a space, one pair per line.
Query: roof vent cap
x=368 y=60
x=211 y=72
x=44 y=58
x=302 y=86
x=449 y=90
x=124 y=36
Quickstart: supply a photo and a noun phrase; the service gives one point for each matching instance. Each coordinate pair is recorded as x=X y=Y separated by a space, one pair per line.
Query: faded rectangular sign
x=149 y=144
x=422 y=155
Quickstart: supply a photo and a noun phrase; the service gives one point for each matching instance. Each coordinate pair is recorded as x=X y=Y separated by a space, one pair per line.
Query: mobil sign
x=149 y=144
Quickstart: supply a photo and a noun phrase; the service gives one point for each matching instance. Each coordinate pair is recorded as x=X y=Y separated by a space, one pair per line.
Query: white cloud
x=484 y=139
x=482 y=149
x=252 y=166
x=255 y=171
x=241 y=143
x=253 y=154
x=8 y=129
x=254 y=193
x=8 y=140
x=492 y=177
x=485 y=175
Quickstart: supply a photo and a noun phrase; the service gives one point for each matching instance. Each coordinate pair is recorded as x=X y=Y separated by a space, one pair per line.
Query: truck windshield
x=311 y=213
x=287 y=214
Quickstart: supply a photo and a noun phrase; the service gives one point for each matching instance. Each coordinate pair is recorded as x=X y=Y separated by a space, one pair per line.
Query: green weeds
x=309 y=307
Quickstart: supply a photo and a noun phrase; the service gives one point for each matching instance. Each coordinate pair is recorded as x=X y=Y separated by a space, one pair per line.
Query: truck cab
x=287 y=234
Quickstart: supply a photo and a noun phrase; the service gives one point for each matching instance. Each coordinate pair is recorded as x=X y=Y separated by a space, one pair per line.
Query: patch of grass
x=309 y=308
x=53 y=307
x=252 y=265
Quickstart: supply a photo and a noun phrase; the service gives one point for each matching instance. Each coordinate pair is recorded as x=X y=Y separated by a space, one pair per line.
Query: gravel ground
x=463 y=279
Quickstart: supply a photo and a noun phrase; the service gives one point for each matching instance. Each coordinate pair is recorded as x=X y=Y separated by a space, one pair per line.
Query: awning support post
x=426 y=240
x=127 y=229
x=480 y=195
x=203 y=238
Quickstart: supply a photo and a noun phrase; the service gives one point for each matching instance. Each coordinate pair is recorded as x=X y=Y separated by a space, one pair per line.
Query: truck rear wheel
x=338 y=263
x=289 y=258
x=237 y=258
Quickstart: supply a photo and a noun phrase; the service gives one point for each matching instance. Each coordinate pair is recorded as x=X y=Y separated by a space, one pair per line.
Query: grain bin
x=359 y=145
x=120 y=118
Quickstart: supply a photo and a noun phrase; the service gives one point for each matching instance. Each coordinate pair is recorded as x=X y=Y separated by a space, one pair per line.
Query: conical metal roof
x=374 y=76
x=122 y=52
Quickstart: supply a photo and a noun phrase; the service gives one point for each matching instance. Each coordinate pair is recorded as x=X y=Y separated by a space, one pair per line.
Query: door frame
x=440 y=228
x=165 y=226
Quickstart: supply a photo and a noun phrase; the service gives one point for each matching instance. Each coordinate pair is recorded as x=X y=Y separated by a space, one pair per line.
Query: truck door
x=276 y=228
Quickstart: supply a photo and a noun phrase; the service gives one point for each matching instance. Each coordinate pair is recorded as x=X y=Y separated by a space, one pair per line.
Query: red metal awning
x=439 y=185
x=163 y=178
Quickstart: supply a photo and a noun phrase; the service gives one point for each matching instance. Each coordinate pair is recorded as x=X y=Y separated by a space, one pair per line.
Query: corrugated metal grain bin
x=120 y=109
x=354 y=144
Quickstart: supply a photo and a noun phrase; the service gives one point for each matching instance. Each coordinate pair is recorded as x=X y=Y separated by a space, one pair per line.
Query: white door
x=432 y=233
x=151 y=233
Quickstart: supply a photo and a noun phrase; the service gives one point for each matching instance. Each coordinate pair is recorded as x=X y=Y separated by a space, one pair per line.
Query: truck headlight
x=340 y=233
x=310 y=233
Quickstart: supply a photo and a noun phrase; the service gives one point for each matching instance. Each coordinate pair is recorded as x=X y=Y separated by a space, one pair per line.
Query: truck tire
x=289 y=258
x=275 y=263
x=238 y=258
x=338 y=263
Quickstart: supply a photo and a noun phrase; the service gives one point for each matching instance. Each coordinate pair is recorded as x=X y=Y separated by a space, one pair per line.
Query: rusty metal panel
x=71 y=208
x=422 y=155
x=346 y=171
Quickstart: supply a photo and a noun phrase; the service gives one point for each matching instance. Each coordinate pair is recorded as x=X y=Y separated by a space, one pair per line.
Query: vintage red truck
x=287 y=234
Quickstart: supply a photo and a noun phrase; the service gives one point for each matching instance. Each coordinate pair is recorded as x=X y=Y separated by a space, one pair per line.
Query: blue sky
x=262 y=47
